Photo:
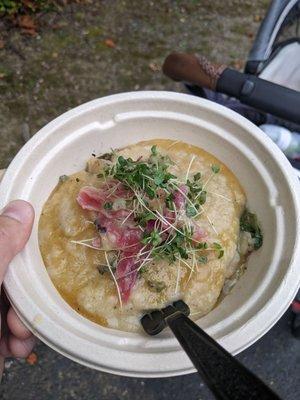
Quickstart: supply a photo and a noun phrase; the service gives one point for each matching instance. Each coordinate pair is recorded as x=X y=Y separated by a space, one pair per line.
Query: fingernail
x=19 y=210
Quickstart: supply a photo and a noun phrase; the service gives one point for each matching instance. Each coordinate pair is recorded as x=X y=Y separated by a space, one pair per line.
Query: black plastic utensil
x=226 y=377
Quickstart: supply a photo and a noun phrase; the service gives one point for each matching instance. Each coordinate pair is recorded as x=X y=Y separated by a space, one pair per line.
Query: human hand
x=16 y=221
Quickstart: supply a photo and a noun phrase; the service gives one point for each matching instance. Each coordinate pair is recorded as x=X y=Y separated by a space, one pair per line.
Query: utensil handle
x=225 y=376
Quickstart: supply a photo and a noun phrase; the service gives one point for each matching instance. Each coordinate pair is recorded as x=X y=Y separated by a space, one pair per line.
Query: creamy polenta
x=145 y=225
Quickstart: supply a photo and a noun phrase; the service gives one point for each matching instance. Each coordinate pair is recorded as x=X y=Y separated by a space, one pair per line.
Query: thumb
x=16 y=222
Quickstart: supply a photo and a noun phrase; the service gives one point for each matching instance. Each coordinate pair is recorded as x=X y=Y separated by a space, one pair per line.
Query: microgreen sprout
x=219 y=249
x=215 y=168
x=249 y=223
x=152 y=237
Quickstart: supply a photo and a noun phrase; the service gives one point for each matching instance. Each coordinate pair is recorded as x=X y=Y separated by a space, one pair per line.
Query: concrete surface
x=68 y=63
x=275 y=358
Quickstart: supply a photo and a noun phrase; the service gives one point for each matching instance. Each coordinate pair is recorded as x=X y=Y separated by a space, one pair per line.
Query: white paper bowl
x=62 y=147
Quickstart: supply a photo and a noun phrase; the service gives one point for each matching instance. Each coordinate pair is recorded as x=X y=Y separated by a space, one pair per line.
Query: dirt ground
x=69 y=62
x=88 y=51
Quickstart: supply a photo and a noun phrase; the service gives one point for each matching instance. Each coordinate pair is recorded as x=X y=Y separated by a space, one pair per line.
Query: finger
x=16 y=326
x=21 y=348
x=15 y=227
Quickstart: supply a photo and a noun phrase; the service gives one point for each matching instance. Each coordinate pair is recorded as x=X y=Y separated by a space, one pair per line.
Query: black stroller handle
x=261 y=94
x=226 y=377
x=267 y=33
x=251 y=90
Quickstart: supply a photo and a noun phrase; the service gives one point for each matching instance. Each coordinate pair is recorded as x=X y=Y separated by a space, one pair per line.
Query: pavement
x=275 y=358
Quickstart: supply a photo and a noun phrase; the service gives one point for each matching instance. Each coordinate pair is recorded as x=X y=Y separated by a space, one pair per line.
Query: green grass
x=9 y=6
x=239 y=29
x=12 y=7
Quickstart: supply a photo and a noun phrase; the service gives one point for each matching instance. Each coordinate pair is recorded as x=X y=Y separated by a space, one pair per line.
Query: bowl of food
x=142 y=199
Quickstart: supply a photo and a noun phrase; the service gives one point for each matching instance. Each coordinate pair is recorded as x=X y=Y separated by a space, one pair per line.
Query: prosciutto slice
x=118 y=231
x=180 y=197
x=127 y=238
x=93 y=199
x=90 y=198
x=126 y=274
x=119 y=236
x=199 y=234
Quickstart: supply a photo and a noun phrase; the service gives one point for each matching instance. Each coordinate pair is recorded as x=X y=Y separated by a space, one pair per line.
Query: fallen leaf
x=154 y=67
x=27 y=22
x=110 y=43
x=2 y=44
x=257 y=18
x=238 y=64
x=54 y=55
x=32 y=359
x=29 y=32
x=56 y=26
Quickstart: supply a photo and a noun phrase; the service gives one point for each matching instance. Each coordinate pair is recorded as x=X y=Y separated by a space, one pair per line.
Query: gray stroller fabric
x=284 y=68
